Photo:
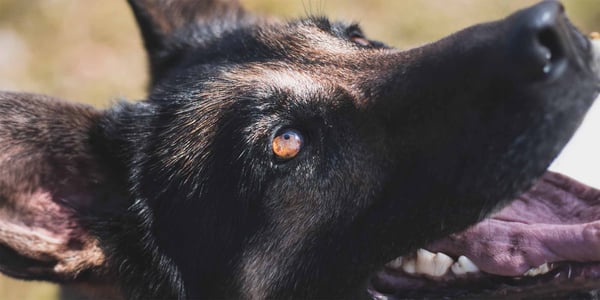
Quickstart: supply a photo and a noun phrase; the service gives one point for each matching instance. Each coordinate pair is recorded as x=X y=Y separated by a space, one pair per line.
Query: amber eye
x=287 y=144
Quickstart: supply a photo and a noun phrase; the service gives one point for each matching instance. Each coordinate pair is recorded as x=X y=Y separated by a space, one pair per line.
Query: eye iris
x=288 y=144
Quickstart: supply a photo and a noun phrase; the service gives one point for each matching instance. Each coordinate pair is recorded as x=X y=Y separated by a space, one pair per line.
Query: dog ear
x=52 y=182
x=160 y=20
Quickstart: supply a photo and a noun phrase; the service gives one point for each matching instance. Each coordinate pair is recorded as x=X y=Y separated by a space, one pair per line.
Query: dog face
x=286 y=159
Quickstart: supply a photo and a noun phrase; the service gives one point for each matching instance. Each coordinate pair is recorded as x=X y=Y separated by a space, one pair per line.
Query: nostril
x=551 y=49
x=540 y=41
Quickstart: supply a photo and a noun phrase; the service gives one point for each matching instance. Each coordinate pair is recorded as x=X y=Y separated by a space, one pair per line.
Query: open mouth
x=544 y=245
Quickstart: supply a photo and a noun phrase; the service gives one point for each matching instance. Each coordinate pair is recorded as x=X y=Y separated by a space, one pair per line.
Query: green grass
x=89 y=51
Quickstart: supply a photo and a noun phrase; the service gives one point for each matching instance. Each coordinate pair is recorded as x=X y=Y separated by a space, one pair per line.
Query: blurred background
x=89 y=51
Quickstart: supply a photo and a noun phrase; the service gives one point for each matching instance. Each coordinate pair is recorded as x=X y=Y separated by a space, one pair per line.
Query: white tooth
x=408 y=265
x=464 y=266
x=431 y=264
x=468 y=264
x=442 y=263
x=396 y=263
x=425 y=262
x=543 y=269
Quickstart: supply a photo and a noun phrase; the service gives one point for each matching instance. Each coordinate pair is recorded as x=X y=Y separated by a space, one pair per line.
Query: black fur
x=401 y=148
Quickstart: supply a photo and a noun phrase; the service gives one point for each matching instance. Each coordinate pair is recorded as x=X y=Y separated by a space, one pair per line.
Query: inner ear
x=44 y=240
x=54 y=183
x=159 y=20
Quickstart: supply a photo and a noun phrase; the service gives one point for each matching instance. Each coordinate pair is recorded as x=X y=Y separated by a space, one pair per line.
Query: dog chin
x=545 y=244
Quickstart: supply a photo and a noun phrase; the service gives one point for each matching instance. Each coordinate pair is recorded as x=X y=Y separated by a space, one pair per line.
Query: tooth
x=442 y=263
x=408 y=265
x=431 y=264
x=463 y=266
x=424 y=262
x=542 y=269
x=396 y=263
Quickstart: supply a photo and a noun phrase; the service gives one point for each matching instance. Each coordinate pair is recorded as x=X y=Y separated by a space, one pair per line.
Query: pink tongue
x=557 y=220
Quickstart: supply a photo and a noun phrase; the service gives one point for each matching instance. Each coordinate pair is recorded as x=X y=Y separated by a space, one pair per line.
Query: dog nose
x=541 y=39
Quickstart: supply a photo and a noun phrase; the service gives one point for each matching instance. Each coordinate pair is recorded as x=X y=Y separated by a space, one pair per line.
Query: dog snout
x=544 y=43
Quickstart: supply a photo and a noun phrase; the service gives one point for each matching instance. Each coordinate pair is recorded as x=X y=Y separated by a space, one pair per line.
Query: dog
x=298 y=160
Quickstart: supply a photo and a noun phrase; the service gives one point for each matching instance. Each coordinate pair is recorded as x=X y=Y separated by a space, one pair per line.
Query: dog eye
x=287 y=144
x=359 y=38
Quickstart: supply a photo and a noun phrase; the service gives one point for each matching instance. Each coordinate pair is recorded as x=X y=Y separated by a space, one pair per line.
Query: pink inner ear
x=37 y=227
x=37 y=212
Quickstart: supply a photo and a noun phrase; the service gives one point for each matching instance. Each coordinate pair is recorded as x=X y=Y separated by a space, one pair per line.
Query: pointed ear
x=52 y=180
x=159 y=20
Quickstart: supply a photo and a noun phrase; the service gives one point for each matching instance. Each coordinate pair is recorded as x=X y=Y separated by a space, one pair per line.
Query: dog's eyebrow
x=268 y=81
x=283 y=82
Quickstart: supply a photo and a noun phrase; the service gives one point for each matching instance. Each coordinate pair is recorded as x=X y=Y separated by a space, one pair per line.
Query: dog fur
x=181 y=196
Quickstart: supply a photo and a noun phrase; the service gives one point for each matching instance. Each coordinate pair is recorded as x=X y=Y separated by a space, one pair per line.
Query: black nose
x=541 y=39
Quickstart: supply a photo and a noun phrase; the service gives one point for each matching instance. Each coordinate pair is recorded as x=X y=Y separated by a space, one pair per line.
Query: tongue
x=557 y=220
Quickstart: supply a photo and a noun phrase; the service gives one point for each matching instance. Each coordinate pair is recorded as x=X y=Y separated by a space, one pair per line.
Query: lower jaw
x=451 y=274
x=566 y=280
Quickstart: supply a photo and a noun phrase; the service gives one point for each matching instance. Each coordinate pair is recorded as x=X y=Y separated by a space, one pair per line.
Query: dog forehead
x=316 y=33
x=288 y=82
x=299 y=42
x=303 y=59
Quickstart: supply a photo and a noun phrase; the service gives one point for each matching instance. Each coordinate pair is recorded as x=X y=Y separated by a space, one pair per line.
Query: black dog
x=284 y=159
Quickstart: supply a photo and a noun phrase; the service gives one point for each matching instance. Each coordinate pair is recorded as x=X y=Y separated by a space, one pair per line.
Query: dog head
x=285 y=159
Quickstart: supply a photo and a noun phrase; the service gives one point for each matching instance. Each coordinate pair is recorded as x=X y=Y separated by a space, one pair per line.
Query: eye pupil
x=287 y=144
